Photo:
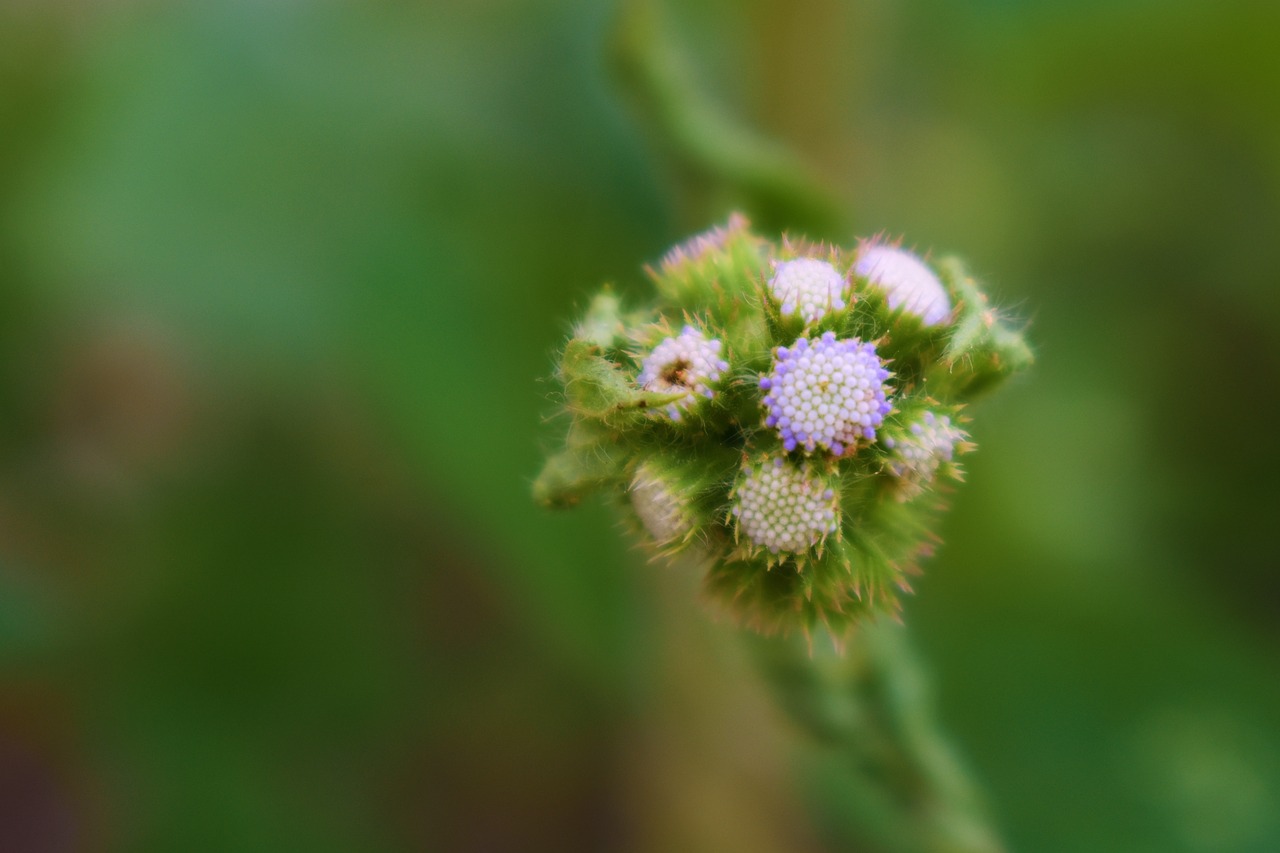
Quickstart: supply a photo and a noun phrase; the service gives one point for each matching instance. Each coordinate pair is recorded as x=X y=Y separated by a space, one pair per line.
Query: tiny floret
x=659 y=505
x=784 y=506
x=688 y=363
x=916 y=455
x=906 y=281
x=826 y=393
x=809 y=287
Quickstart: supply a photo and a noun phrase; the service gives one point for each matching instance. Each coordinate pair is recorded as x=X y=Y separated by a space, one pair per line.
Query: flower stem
x=870 y=708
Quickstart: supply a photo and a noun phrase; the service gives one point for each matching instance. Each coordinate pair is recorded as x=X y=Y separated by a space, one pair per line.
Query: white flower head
x=906 y=281
x=808 y=287
x=784 y=506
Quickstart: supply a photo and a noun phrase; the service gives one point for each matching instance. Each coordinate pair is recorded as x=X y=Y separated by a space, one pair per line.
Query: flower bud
x=663 y=509
x=713 y=269
x=917 y=452
x=907 y=283
x=808 y=287
x=686 y=365
x=785 y=506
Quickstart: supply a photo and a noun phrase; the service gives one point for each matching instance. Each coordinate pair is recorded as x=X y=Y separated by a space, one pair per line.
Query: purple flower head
x=784 y=506
x=688 y=363
x=826 y=393
x=905 y=280
x=917 y=455
x=809 y=287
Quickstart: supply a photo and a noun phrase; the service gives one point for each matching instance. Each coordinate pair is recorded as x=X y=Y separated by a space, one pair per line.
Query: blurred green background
x=278 y=284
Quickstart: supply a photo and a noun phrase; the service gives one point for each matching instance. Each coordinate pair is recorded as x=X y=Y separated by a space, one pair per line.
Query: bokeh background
x=278 y=285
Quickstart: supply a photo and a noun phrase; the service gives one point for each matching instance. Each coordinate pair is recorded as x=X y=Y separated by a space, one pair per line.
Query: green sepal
x=595 y=387
x=788 y=596
x=713 y=270
x=605 y=323
x=592 y=457
x=740 y=322
x=698 y=480
x=884 y=538
x=983 y=349
x=907 y=345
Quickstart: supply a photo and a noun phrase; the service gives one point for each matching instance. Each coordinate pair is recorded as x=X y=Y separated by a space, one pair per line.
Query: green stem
x=871 y=707
x=719 y=162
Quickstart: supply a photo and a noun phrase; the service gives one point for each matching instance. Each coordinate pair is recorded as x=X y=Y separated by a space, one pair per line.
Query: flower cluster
x=837 y=377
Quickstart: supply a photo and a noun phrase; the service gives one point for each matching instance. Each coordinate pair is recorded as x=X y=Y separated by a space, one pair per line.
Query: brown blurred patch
x=47 y=803
x=123 y=405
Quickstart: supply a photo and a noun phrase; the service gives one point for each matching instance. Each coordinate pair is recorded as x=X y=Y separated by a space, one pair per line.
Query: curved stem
x=720 y=162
